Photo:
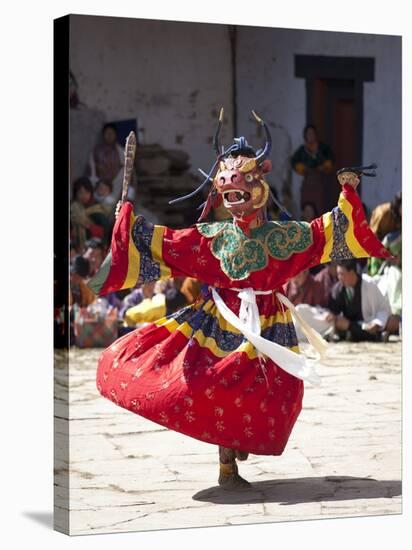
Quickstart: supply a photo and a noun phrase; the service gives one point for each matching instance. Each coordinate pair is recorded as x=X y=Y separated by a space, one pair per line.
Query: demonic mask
x=237 y=178
x=239 y=181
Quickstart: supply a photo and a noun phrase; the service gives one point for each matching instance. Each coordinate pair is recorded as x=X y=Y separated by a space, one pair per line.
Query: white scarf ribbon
x=249 y=311
x=248 y=323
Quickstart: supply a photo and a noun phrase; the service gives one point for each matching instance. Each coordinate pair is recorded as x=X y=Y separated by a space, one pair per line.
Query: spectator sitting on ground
x=304 y=288
x=79 y=292
x=104 y=196
x=388 y=274
x=94 y=253
x=311 y=294
x=327 y=278
x=358 y=308
x=142 y=292
x=88 y=219
x=156 y=305
x=149 y=308
x=136 y=296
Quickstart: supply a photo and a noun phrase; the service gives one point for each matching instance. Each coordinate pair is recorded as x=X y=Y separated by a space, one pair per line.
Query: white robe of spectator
x=390 y=284
x=375 y=306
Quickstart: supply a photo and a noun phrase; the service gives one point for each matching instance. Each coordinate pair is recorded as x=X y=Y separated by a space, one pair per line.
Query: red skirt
x=192 y=373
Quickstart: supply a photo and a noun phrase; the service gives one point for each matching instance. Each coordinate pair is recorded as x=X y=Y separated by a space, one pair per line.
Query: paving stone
x=129 y=474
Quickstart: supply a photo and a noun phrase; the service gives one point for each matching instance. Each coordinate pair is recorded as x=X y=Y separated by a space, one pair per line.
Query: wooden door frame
x=359 y=69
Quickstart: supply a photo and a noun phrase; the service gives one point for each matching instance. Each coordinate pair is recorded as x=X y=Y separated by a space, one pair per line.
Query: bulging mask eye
x=249 y=178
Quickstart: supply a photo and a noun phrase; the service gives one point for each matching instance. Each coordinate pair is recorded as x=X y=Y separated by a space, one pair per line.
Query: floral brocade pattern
x=241 y=255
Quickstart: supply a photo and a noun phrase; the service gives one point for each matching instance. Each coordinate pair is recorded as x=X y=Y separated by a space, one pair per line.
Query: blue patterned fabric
x=340 y=250
x=282 y=333
x=142 y=234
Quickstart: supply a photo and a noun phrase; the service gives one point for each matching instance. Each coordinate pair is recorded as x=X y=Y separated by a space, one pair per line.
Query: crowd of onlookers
x=103 y=319
x=360 y=299
x=94 y=195
x=351 y=300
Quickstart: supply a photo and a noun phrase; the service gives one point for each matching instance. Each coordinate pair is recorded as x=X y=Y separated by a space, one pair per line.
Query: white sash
x=248 y=323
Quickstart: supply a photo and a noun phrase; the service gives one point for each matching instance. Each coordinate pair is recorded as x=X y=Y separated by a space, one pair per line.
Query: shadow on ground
x=43 y=518
x=301 y=490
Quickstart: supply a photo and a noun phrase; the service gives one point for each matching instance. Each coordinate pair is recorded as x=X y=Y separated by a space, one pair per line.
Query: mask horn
x=218 y=129
x=268 y=145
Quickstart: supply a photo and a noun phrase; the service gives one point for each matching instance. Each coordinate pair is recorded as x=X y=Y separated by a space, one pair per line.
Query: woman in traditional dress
x=225 y=370
x=314 y=161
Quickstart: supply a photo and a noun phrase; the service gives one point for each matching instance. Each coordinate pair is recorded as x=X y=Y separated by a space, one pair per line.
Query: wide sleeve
x=141 y=252
x=344 y=233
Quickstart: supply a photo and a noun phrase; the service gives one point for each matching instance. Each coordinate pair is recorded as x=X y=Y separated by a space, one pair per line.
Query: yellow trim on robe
x=279 y=317
x=328 y=227
x=265 y=322
x=133 y=268
x=350 y=238
x=210 y=343
x=156 y=246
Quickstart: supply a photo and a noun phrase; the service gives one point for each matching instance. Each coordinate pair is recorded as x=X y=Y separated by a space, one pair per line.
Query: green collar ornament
x=241 y=255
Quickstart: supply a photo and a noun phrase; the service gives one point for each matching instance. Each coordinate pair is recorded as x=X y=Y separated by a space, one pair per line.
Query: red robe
x=192 y=371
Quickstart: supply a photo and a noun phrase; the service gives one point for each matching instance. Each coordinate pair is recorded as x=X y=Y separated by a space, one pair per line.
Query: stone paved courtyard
x=129 y=474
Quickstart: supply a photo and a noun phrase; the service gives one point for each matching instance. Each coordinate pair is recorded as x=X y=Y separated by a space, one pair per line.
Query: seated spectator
x=311 y=294
x=304 y=288
x=79 y=292
x=389 y=273
x=157 y=302
x=387 y=217
x=149 y=306
x=136 y=296
x=148 y=311
x=88 y=218
x=327 y=278
x=103 y=195
x=358 y=308
x=94 y=254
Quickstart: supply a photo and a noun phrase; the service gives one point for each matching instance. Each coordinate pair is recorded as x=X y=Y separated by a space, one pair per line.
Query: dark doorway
x=334 y=104
x=333 y=112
